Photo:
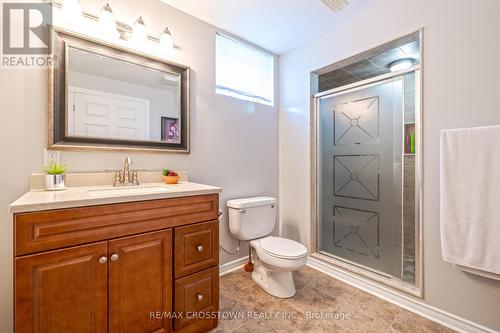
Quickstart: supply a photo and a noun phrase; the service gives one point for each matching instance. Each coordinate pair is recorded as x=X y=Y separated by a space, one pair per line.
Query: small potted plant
x=54 y=180
x=170 y=176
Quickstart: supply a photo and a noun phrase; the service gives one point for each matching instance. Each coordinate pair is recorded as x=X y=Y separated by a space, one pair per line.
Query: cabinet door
x=62 y=291
x=140 y=283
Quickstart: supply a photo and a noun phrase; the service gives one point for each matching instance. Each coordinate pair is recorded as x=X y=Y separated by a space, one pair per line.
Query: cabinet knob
x=103 y=260
x=199 y=248
x=199 y=297
x=114 y=257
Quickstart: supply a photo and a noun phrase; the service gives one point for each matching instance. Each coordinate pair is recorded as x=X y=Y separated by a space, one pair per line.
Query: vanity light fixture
x=110 y=27
x=401 y=64
x=72 y=11
x=139 y=33
x=166 y=40
x=107 y=22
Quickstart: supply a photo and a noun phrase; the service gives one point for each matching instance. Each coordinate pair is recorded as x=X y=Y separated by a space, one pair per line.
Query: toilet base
x=277 y=283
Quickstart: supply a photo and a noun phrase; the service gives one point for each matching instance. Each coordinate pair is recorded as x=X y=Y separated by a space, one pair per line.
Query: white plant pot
x=54 y=182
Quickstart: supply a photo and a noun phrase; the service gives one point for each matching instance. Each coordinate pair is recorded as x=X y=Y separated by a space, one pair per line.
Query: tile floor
x=350 y=310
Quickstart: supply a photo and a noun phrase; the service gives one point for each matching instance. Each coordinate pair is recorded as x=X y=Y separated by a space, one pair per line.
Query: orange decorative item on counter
x=170 y=176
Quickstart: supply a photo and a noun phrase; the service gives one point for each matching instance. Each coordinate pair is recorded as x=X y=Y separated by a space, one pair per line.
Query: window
x=243 y=71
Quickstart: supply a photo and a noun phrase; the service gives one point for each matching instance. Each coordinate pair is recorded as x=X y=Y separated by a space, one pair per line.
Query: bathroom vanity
x=94 y=259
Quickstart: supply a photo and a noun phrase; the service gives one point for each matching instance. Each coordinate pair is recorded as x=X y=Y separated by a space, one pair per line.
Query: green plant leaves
x=55 y=169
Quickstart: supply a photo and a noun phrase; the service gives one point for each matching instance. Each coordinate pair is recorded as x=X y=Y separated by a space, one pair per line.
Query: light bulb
x=72 y=11
x=166 y=41
x=107 y=22
x=401 y=64
x=139 y=33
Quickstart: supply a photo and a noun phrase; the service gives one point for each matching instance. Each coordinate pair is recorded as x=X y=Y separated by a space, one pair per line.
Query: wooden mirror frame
x=58 y=138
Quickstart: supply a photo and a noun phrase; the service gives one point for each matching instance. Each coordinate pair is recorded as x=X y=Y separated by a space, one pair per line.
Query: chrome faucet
x=126 y=177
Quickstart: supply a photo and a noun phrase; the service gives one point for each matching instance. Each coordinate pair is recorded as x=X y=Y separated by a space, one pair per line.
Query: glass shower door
x=360 y=142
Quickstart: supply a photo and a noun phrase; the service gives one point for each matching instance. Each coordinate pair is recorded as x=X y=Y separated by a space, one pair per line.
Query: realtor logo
x=26 y=28
x=26 y=35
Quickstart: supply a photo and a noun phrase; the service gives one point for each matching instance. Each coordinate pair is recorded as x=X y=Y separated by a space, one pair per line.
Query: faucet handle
x=118 y=176
x=135 y=178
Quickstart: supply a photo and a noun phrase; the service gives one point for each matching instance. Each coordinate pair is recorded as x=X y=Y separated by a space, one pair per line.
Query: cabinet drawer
x=53 y=229
x=196 y=296
x=196 y=248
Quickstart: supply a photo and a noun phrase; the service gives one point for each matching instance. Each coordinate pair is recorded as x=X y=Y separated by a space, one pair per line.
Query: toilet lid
x=282 y=247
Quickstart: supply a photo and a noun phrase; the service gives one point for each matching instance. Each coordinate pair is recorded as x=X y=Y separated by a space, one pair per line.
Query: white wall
x=233 y=143
x=460 y=89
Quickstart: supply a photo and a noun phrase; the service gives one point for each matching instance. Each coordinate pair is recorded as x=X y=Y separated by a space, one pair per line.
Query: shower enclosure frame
x=344 y=264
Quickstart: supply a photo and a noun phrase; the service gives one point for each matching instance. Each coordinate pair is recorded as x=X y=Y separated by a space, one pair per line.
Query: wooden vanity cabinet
x=122 y=279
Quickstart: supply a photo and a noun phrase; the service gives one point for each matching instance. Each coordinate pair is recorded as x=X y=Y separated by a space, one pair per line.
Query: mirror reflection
x=110 y=98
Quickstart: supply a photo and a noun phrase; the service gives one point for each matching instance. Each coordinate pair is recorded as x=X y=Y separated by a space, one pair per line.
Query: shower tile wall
x=409 y=219
x=409 y=186
x=409 y=113
x=372 y=66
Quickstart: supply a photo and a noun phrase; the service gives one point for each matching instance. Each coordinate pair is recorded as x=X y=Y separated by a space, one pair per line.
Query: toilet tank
x=252 y=218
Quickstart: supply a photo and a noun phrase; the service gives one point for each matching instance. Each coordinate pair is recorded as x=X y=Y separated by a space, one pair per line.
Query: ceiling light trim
x=335 y=5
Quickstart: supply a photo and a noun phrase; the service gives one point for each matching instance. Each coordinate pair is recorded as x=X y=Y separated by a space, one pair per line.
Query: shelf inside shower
x=409 y=139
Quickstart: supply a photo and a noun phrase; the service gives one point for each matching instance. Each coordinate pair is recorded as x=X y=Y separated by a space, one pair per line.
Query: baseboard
x=232 y=266
x=439 y=316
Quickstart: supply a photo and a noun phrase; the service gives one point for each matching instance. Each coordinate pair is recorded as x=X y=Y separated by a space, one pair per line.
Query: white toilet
x=254 y=219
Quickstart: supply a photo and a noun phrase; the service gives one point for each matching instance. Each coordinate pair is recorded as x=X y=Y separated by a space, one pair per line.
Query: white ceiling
x=275 y=25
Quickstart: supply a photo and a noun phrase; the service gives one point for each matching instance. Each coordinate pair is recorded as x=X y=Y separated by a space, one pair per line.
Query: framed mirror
x=106 y=97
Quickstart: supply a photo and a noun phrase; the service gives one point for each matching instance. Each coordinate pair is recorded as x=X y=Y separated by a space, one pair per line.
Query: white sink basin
x=128 y=190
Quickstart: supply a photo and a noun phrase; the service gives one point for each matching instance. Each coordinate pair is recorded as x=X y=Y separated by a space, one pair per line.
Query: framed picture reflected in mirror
x=170 y=129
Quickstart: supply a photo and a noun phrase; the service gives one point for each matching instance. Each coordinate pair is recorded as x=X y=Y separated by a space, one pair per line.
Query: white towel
x=470 y=198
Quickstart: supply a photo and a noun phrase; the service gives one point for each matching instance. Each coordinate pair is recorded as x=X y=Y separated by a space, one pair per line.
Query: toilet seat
x=282 y=248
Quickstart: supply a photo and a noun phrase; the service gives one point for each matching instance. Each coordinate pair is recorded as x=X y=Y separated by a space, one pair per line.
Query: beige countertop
x=36 y=200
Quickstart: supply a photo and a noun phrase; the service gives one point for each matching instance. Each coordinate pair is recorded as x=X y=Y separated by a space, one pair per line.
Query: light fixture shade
x=72 y=11
x=401 y=64
x=107 y=22
x=166 y=40
x=335 y=5
x=139 y=33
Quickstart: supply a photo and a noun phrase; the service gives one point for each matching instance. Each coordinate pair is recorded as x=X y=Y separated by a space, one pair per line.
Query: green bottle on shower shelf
x=412 y=143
